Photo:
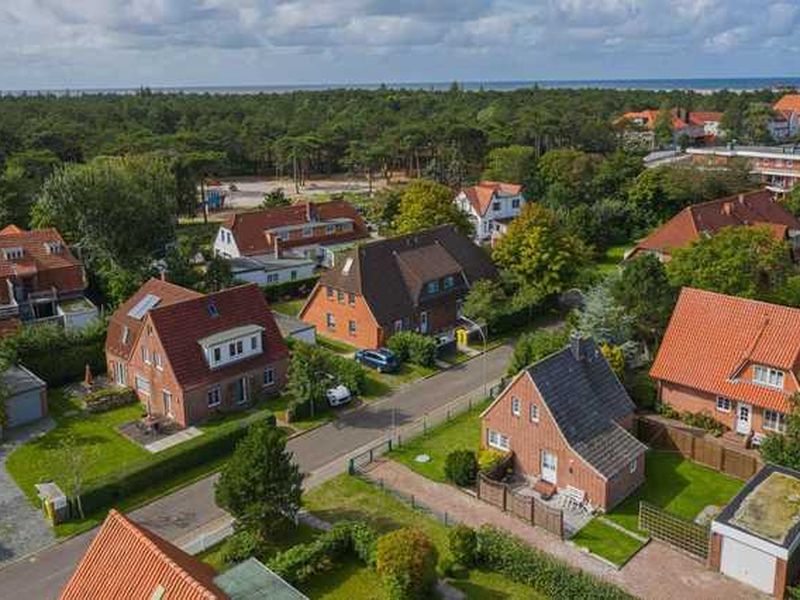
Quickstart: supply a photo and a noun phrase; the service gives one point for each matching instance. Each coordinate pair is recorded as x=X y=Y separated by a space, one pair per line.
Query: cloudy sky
x=111 y=43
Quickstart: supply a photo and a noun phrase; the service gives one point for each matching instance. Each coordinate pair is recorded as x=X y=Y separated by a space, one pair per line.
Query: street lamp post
x=483 y=337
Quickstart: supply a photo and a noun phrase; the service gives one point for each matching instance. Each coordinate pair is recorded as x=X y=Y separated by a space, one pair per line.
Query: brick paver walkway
x=657 y=572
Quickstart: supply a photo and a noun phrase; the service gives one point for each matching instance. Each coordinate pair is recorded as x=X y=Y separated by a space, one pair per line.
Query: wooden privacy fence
x=527 y=508
x=698 y=446
x=678 y=533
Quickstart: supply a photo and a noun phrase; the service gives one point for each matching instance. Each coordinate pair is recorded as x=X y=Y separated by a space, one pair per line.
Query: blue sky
x=109 y=43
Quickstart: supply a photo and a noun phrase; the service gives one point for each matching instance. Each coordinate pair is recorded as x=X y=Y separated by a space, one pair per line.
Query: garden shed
x=755 y=538
x=27 y=396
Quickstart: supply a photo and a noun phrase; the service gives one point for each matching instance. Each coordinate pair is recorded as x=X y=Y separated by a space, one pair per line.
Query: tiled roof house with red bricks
x=189 y=356
x=410 y=282
x=567 y=420
x=700 y=127
x=733 y=358
x=40 y=279
x=128 y=562
x=751 y=209
x=491 y=206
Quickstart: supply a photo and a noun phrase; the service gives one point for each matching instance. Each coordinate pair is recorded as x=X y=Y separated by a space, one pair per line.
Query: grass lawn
x=460 y=433
x=380 y=384
x=108 y=452
x=455 y=358
x=349 y=498
x=606 y=541
x=288 y=307
x=611 y=259
x=335 y=345
x=281 y=403
x=677 y=485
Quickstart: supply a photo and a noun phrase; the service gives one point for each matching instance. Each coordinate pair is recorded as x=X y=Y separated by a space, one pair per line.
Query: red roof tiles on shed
x=128 y=562
x=711 y=337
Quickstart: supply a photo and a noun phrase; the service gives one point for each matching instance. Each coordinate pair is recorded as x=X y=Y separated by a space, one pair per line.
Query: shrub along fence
x=289 y=289
x=696 y=445
x=678 y=533
x=527 y=508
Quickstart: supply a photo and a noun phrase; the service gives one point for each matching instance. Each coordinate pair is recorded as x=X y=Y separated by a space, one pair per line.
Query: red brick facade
x=529 y=439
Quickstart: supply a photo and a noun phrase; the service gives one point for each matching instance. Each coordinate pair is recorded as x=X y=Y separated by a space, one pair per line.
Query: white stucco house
x=490 y=205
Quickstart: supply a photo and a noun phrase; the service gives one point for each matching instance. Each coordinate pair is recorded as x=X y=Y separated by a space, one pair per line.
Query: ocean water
x=705 y=85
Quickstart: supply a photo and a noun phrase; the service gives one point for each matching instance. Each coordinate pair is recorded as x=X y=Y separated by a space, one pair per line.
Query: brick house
x=189 y=356
x=411 y=282
x=757 y=208
x=40 y=281
x=490 y=206
x=733 y=358
x=567 y=419
x=300 y=231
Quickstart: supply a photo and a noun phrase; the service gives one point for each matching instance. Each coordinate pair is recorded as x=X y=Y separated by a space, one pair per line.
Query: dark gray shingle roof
x=587 y=402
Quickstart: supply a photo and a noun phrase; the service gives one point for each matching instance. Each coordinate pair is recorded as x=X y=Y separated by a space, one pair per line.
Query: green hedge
x=108 y=398
x=509 y=556
x=300 y=562
x=413 y=347
x=293 y=289
x=56 y=355
x=203 y=449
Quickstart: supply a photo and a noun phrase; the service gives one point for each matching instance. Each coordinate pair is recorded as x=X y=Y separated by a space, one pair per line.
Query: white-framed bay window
x=498 y=440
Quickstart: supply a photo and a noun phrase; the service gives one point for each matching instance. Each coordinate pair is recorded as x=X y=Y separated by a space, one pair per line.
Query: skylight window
x=145 y=304
x=348 y=264
x=212 y=309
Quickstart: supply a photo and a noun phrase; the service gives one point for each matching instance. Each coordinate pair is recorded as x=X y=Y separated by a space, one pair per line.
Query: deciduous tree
x=426 y=204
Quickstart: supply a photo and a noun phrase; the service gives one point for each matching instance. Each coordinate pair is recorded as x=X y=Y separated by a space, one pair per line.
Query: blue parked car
x=382 y=360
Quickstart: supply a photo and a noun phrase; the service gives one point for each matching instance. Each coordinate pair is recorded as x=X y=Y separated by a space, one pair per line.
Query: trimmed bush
x=240 y=546
x=112 y=488
x=293 y=289
x=406 y=561
x=489 y=460
x=461 y=467
x=463 y=543
x=109 y=398
x=413 y=347
x=57 y=355
x=509 y=556
x=300 y=562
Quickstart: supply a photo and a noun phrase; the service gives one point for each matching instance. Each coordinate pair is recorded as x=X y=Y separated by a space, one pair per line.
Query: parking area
x=23 y=528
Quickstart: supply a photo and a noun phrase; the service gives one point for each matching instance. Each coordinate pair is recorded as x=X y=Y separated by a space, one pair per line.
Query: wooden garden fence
x=698 y=446
x=525 y=507
x=678 y=533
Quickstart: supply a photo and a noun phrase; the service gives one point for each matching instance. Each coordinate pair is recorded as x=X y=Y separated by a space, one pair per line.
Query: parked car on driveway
x=382 y=360
x=339 y=395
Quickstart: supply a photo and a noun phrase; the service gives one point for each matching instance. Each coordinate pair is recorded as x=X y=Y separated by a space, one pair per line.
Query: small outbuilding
x=294 y=328
x=27 y=396
x=755 y=538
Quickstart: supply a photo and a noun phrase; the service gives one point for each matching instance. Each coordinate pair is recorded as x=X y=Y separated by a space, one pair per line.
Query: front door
x=744 y=416
x=423 y=322
x=241 y=391
x=549 y=467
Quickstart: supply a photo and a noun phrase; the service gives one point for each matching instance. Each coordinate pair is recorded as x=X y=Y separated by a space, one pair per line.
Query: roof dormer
x=13 y=253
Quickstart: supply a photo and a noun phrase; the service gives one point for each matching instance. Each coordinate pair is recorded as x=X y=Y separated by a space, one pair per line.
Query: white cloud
x=103 y=40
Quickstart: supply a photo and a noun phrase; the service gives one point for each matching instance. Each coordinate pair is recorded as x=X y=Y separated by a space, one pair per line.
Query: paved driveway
x=23 y=528
x=191 y=511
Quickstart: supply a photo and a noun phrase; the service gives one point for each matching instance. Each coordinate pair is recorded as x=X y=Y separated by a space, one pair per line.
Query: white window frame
x=768 y=376
x=633 y=465
x=497 y=440
x=268 y=377
x=308 y=231
x=142 y=384
x=534 y=413
x=253 y=342
x=516 y=406
x=330 y=321
x=166 y=398
x=432 y=287
x=352 y=327
x=724 y=405
x=145 y=355
x=398 y=325
x=214 y=393
x=774 y=421
x=449 y=282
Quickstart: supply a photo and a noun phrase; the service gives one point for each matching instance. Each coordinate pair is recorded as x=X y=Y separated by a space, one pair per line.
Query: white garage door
x=745 y=563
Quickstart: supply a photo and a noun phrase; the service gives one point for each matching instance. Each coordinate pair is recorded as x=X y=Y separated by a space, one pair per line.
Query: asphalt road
x=188 y=510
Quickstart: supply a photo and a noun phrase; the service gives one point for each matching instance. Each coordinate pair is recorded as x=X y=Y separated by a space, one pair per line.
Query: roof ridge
x=145 y=536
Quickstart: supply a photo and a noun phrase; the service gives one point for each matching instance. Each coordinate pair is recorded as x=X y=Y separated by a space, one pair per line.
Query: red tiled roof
x=752 y=208
x=789 y=103
x=248 y=228
x=703 y=117
x=181 y=325
x=480 y=196
x=64 y=271
x=649 y=117
x=711 y=337
x=169 y=293
x=127 y=562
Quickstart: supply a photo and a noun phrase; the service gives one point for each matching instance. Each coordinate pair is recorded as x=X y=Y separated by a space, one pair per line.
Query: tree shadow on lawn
x=347 y=577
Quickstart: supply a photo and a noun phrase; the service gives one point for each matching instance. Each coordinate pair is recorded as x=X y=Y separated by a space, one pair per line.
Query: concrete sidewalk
x=657 y=572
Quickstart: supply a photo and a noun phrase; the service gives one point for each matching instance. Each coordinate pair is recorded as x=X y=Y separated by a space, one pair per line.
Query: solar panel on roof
x=140 y=310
